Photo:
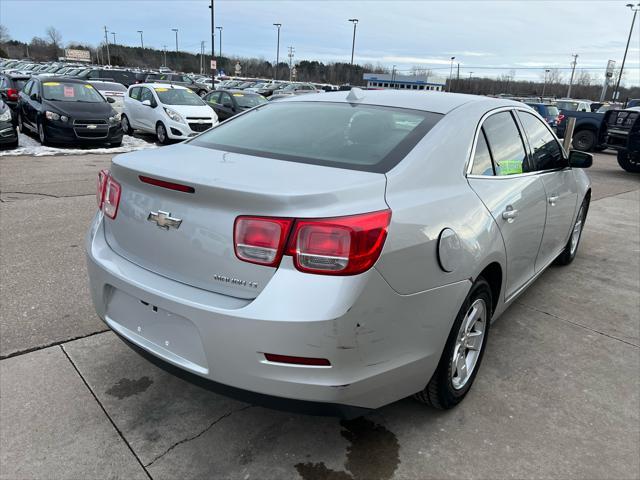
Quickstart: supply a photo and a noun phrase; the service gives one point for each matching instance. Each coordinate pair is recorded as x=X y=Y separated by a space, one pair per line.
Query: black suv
x=125 y=77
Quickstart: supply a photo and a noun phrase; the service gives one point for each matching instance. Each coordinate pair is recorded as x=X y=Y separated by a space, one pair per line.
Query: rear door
x=147 y=114
x=515 y=197
x=559 y=183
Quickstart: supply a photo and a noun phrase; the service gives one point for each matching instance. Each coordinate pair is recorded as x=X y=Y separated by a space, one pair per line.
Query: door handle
x=552 y=200
x=510 y=214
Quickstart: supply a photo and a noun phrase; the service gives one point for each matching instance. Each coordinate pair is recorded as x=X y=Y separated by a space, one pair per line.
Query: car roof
x=61 y=79
x=159 y=85
x=236 y=90
x=436 y=102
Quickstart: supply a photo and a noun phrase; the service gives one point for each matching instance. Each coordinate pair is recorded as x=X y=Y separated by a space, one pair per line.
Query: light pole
x=544 y=86
x=141 y=40
x=573 y=71
x=213 y=44
x=470 y=75
x=393 y=77
x=275 y=73
x=114 y=44
x=220 y=49
x=451 y=74
x=353 y=44
x=176 y=30
x=635 y=9
x=106 y=42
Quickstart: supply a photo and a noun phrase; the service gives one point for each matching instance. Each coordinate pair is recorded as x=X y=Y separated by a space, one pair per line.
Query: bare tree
x=584 y=78
x=555 y=77
x=54 y=36
x=4 y=34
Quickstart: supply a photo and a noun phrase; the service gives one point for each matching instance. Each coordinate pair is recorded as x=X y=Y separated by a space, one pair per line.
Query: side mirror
x=578 y=159
x=147 y=103
x=111 y=100
x=34 y=96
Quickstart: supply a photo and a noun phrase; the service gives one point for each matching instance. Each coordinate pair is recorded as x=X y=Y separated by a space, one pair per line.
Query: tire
x=571 y=249
x=126 y=126
x=21 y=128
x=443 y=390
x=161 y=134
x=629 y=162
x=115 y=144
x=42 y=136
x=584 y=140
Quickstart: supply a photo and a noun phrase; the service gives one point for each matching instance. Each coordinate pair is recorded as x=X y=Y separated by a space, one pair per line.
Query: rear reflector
x=260 y=240
x=318 y=362
x=170 y=185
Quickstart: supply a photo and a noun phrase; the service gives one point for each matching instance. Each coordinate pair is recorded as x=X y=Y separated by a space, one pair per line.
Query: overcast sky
x=486 y=37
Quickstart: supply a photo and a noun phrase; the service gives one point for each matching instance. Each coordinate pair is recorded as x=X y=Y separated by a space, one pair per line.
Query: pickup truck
x=587 y=134
x=622 y=132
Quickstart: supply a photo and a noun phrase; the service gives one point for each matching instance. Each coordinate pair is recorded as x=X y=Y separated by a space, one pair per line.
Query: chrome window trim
x=525 y=144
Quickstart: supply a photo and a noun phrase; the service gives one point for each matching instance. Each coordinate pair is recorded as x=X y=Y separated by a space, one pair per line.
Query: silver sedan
x=341 y=250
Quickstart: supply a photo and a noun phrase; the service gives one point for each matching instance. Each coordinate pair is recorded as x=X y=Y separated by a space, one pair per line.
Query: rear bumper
x=382 y=346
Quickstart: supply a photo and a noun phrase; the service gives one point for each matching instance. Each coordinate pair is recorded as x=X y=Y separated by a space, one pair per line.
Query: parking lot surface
x=557 y=395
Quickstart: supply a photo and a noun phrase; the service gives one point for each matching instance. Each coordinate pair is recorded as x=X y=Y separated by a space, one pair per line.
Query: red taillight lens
x=260 y=240
x=101 y=184
x=111 y=198
x=339 y=246
x=560 y=118
x=12 y=94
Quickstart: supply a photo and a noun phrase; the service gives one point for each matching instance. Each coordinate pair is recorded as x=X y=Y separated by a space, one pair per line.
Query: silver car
x=341 y=250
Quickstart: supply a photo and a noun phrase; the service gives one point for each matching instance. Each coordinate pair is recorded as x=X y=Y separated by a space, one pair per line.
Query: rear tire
x=455 y=374
x=571 y=249
x=629 y=162
x=161 y=134
x=584 y=140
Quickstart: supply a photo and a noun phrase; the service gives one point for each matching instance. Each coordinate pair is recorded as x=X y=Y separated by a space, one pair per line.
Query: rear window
x=358 y=137
x=552 y=111
x=571 y=106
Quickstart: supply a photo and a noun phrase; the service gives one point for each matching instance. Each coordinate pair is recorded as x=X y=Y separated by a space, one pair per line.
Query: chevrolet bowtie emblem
x=164 y=220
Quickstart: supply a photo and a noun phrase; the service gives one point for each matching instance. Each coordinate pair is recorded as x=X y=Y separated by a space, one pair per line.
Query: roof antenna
x=355 y=94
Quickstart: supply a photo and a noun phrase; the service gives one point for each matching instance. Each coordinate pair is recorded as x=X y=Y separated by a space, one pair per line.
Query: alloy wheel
x=576 y=232
x=469 y=344
x=161 y=133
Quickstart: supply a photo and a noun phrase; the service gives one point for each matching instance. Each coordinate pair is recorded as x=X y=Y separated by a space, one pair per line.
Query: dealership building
x=404 y=82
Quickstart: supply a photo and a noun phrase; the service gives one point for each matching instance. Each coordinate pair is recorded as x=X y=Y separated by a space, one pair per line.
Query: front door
x=516 y=199
x=559 y=183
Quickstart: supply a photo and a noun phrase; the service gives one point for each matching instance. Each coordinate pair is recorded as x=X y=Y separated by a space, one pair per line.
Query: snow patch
x=30 y=146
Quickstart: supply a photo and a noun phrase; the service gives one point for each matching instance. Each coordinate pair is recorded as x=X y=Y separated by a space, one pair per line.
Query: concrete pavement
x=557 y=394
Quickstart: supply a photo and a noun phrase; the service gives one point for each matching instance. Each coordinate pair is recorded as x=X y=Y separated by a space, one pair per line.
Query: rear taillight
x=559 y=118
x=328 y=246
x=260 y=240
x=108 y=194
x=12 y=94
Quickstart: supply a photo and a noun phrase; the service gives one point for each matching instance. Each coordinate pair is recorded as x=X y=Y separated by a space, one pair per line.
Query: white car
x=113 y=90
x=171 y=112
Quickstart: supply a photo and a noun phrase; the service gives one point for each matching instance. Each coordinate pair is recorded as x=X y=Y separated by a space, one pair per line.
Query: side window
x=225 y=99
x=482 y=164
x=27 y=88
x=147 y=95
x=214 y=97
x=94 y=74
x=135 y=93
x=506 y=144
x=545 y=151
x=186 y=79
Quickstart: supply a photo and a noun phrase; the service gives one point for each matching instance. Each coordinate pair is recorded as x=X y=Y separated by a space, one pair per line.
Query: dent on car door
x=516 y=199
x=559 y=183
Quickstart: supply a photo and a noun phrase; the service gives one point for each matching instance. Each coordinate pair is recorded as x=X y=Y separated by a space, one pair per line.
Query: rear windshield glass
x=178 y=96
x=358 y=137
x=571 y=106
x=71 y=92
x=552 y=111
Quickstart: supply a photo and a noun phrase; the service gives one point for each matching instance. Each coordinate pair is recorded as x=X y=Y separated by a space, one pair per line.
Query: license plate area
x=170 y=336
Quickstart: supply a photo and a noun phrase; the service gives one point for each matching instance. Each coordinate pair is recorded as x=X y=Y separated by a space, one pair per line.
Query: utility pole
x=353 y=44
x=220 y=41
x=470 y=75
x=393 y=77
x=291 y=54
x=573 y=71
x=201 y=56
x=141 y=39
x=451 y=73
x=544 y=86
x=106 y=41
x=458 y=78
x=213 y=44
x=635 y=9
x=164 y=49
x=275 y=72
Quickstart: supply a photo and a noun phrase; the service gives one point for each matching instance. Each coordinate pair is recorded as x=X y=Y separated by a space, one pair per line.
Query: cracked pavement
x=557 y=395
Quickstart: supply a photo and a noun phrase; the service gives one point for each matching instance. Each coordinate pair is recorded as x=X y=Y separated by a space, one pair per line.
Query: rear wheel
x=629 y=162
x=161 y=134
x=570 y=250
x=584 y=140
x=463 y=351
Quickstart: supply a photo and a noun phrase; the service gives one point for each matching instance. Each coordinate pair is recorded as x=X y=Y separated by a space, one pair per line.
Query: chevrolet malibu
x=352 y=249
